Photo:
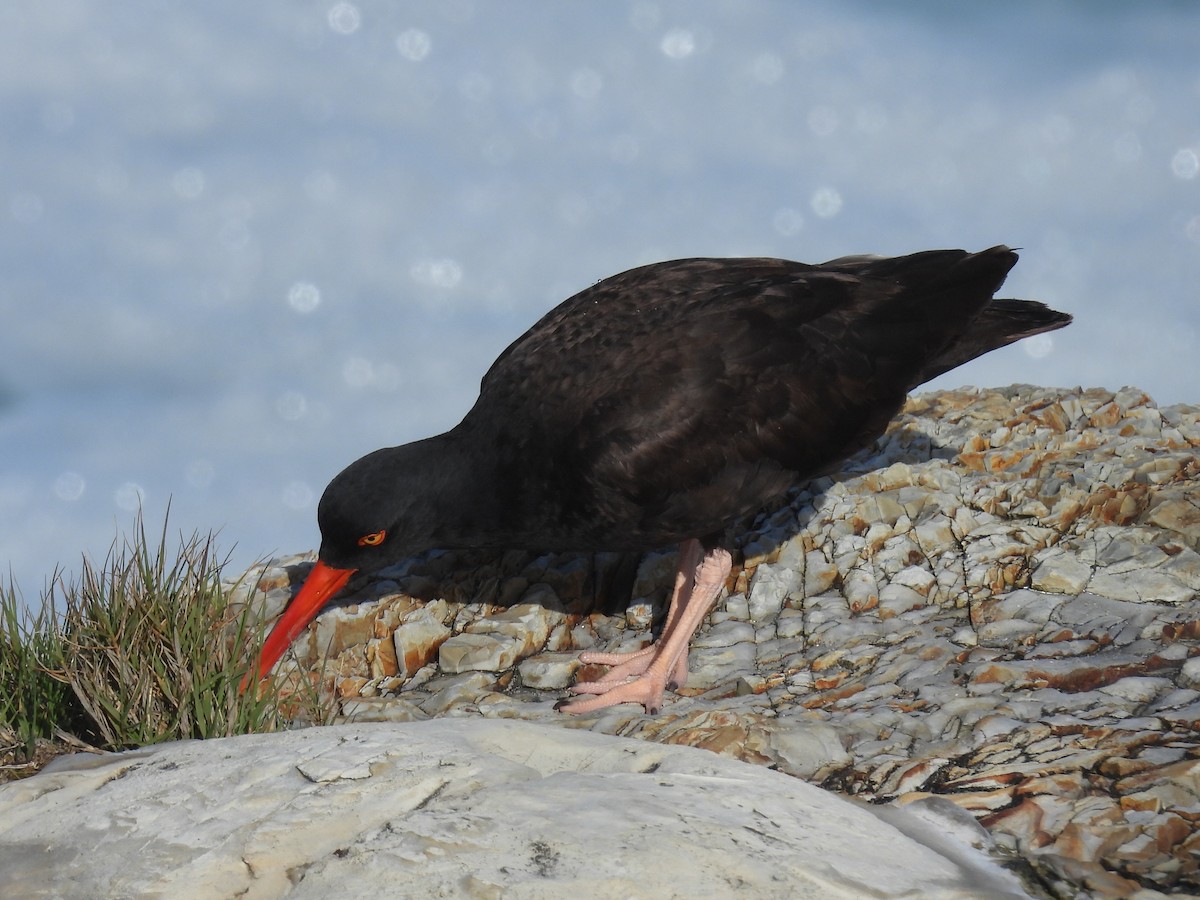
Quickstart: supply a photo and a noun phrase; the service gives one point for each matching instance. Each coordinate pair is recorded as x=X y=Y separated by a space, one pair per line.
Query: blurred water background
x=243 y=243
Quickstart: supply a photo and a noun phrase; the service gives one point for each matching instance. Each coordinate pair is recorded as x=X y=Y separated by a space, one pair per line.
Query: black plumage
x=667 y=402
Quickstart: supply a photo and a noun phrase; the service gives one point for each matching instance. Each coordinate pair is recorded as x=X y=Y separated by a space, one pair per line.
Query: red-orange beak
x=322 y=584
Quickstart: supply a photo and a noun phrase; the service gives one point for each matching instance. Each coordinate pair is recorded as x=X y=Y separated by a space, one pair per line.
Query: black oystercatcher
x=662 y=405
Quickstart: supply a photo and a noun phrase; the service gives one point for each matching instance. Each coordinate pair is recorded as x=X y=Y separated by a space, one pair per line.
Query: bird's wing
x=713 y=377
x=704 y=384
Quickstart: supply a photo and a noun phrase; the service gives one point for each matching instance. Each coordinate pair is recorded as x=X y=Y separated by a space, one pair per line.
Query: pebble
x=997 y=606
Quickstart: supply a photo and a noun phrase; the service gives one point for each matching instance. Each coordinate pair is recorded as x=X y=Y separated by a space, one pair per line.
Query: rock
x=1189 y=674
x=808 y=751
x=549 y=671
x=997 y=606
x=1061 y=573
x=529 y=624
x=470 y=651
x=417 y=641
x=461 y=808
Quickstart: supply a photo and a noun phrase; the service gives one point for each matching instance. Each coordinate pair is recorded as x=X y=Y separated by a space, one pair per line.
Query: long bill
x=322 y=584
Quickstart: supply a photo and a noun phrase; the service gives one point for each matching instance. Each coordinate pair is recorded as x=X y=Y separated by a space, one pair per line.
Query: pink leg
x=628 y=665
x=651 y=666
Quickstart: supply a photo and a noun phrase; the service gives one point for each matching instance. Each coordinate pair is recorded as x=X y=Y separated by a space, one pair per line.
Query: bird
x=662 y=406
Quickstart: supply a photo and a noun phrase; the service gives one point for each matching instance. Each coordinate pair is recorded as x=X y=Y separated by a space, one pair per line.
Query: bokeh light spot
x=414 y=44
x=69 y=486
x=344 y=18
x=1192 y=229
x=291 y=406
x=1185 y=164
x=1038 y=346
x=678 y=43
x=826 y=202
x=304 y=297
x=130 y=496
x=440 y=273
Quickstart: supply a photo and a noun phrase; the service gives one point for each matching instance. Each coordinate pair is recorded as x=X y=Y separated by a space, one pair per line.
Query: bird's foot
x=626 y=666
x=643 y=675
x=645 y=689
x=636 y=677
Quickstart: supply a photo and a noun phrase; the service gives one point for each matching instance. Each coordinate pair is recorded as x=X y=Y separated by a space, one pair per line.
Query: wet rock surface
x=998 y=605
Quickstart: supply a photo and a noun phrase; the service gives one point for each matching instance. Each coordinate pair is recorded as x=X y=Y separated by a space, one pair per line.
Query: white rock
x=528 y=623
x=468 y=652
x=1138 y=689
x=1060 y=573
x=790 y=623
x=1006 y=632
x=1141 y=586
x=896 y=598
x=861 y=589
x=919 y=579
x=548 y=671
x=807 y=748
x=819 y=573
x=456 y=808
x=417 y=641
x=768 y=589
x=1189 y=675
x=725 y=634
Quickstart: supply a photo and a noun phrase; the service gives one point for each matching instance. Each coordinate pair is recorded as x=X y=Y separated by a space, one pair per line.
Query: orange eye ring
x=374 y=539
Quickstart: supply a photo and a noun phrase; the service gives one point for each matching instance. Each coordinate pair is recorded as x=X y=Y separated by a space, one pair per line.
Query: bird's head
x=364 y=518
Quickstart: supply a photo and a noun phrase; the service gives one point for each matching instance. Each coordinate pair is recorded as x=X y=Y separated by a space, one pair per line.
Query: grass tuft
x=155 y=651
x=150 y=646
x=34 y=702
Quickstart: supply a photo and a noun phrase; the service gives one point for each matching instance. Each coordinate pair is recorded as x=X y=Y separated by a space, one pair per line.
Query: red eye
x=374 y=539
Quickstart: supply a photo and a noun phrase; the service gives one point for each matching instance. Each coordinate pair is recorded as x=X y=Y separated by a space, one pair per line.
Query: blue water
x=242 y=244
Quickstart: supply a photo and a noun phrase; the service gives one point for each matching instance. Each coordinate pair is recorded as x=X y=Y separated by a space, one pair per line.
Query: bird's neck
x=450 y=485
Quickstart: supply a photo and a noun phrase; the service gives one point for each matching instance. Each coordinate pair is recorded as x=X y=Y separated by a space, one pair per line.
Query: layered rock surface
x=454 y=808
x=996 y=605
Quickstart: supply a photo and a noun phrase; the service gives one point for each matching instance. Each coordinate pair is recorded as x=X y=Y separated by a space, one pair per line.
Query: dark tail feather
x=998 y=324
